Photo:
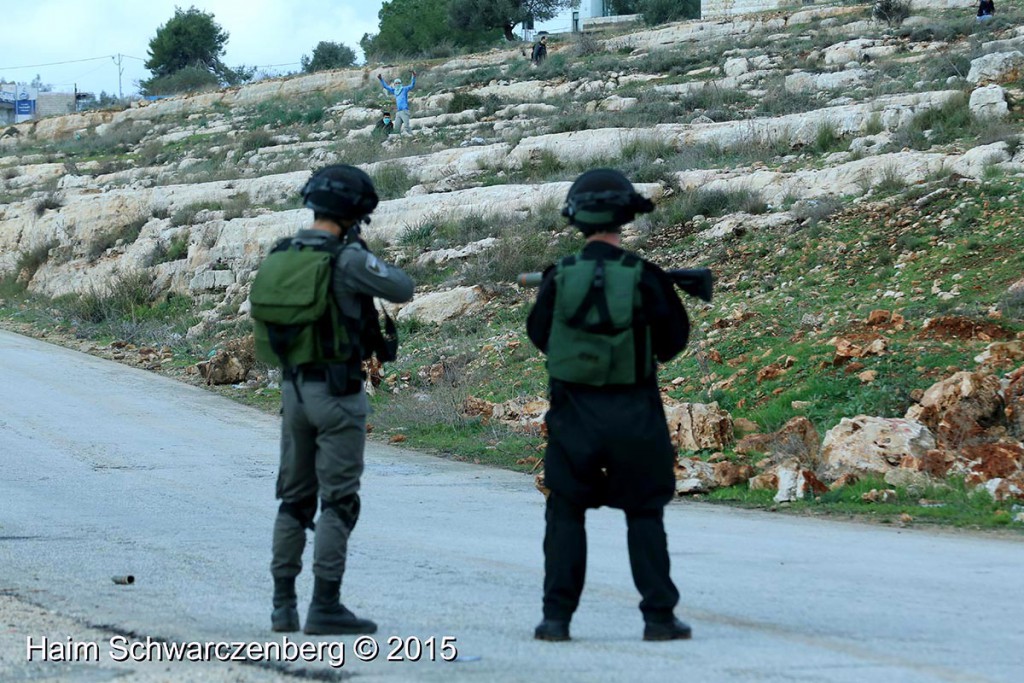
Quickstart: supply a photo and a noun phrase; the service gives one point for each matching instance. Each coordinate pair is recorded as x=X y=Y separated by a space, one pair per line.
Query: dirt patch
x=957 y=327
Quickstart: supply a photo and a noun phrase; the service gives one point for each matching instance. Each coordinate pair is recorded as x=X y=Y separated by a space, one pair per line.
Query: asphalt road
x=108 y=470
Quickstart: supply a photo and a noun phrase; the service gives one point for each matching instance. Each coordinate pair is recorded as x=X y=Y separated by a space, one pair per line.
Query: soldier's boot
x=667 y=630
x=285 y=617
x=555 y=630
x=327 y=616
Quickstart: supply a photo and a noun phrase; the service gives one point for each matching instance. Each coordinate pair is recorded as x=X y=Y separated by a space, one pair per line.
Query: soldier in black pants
x=604 y=317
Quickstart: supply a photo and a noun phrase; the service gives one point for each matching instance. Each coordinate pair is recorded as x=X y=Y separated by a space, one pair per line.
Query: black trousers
x=565 y=560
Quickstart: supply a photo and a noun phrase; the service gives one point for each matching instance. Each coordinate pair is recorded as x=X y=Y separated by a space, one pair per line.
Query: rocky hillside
x=854 y=186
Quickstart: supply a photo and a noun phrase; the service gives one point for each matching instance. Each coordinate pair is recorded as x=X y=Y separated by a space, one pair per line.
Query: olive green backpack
x=598 y=336
x=296 y=321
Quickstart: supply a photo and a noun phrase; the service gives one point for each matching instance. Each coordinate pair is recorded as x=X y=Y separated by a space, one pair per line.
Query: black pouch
x=344 y=380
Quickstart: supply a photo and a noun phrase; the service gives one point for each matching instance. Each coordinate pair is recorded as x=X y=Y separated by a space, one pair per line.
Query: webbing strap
x=596 y=297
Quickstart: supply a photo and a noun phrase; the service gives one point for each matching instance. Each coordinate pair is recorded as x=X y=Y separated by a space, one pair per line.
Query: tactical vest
x=296 y=319
x=598 y=334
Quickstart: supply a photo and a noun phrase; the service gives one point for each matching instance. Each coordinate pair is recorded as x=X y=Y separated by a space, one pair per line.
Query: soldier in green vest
x=604 y=317
x=312 y=307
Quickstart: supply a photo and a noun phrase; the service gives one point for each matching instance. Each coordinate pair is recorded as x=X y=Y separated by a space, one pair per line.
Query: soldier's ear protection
x=607 y=207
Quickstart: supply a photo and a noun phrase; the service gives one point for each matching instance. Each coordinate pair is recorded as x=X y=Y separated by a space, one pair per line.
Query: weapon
x=696 y=282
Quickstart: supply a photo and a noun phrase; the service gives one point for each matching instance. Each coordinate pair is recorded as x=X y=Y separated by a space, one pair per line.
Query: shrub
x=51 y=200
x=586 y=44
x=521 y=248
x=392 y=180
x=890 y=182
x=1011 y=304
x=189 y=79
x=946 y=123
x=119 y=300
x=663 y=11
x=892 y=12
x=254 y=140
x=174 y=250
x=463 y=101
x=826 y=139
x=128 y=233
x=29 y=261
x=813 y=211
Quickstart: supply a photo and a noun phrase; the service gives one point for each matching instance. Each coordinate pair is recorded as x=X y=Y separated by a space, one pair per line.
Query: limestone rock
x=871 y=445
x=857 y=50
x=989 y=102
x=734 y=66
x=907 y=478
x=1006 y=489
x=960 y=407
x=1014 y=399
x=796 y=482
x=728 y=473
x=974 y=161
x=802 y=81
x=617 y=104
x=438 y=307
x=229 y=364
x=995 y=459
x=885 y=496
x=766 y=481
x=797 y=439
x=441 y=256
x=699 y=426
x=1001 y=353
x=998 y=67
x=694 y=476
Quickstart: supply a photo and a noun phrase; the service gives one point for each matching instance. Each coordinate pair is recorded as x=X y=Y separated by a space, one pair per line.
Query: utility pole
x=119 y=60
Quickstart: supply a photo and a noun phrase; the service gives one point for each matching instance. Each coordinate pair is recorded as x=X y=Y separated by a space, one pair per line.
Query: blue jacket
x=401 y=96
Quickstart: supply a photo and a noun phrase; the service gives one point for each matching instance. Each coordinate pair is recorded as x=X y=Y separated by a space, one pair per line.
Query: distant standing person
x=540 y=51
x=986 y=8
x=401 y=94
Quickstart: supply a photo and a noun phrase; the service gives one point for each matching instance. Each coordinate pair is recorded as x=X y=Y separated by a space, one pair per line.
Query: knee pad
x=302 y=510
x=346 y=508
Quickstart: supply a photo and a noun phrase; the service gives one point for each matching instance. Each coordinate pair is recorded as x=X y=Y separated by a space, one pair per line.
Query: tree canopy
x=414 y=27
x=328 y=55
x=503 y=14
x=190 y=42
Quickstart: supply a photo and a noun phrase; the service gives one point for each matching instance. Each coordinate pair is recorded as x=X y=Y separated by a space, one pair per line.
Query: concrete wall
x=727 y=8
x=54 y=104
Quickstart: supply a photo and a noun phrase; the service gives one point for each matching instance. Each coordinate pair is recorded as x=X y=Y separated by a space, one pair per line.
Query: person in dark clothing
x=385 y=126
x=604 y=317
x=986 y=8
x=540 y=51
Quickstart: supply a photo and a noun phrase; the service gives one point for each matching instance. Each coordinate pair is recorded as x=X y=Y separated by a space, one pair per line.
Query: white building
x=563 y=23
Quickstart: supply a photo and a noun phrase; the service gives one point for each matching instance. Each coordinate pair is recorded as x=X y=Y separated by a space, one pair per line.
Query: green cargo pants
x=322 y=442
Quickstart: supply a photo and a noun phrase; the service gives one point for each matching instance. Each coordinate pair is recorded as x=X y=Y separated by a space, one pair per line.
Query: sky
x=271 y=34
x=261 y=33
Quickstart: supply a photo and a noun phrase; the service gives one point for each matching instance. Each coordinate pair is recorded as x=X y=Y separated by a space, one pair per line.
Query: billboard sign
x=24 y=106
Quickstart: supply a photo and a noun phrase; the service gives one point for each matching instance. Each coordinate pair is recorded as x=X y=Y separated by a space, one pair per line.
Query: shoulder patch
x=376 y=266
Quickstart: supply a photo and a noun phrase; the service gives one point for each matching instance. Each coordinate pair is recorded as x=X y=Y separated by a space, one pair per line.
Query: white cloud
x=262 y=32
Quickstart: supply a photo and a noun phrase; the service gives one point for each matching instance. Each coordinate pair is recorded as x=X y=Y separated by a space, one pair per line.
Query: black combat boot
x=285 y=618
x=327 y=616
x=555 y=630
x=667 y=630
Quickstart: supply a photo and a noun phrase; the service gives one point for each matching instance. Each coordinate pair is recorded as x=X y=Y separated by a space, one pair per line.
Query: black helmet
x=342 y=191
x=603 y=199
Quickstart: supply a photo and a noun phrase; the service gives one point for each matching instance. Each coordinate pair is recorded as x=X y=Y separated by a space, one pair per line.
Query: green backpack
x=597 y=334
x=296 y=320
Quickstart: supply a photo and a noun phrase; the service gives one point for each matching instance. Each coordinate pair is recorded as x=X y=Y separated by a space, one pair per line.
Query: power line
x=71 y=61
